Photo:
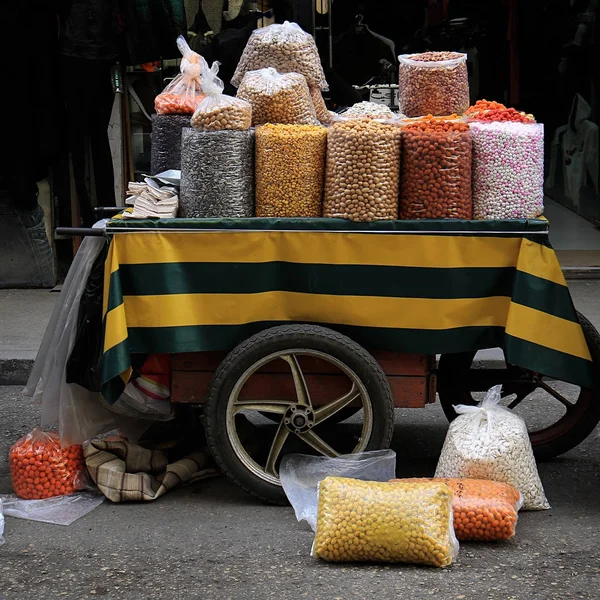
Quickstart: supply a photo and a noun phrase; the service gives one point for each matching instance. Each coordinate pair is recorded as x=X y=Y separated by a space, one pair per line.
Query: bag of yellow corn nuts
x=360 y=521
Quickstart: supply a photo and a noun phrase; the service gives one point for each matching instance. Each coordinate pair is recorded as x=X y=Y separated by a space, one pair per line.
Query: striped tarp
x=408 y=286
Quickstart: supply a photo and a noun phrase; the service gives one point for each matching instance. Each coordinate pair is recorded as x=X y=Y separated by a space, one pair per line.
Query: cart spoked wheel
x=559 y=415
x=304 y=375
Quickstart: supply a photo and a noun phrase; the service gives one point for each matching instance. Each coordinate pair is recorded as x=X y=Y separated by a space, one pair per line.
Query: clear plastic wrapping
x=216 y=111
x=363 y=166
x=278 y=98
x=433 y=83
x=217 y=174
x=508 y=170
x=484 y=511
x=362 y=521
x=435 y=180
x=324 y=115
x=165 y=146
x=290 y=166
x=489 y=441
x=182 y=95
x=362 y=110
x=285 y=47
x=40 y=468
x=300 y=475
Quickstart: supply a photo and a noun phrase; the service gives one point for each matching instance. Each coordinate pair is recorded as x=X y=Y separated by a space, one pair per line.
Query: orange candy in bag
x=484 y=511
x=40 y=468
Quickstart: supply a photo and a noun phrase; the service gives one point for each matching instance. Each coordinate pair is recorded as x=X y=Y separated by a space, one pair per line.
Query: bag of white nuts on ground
x=217 y=111
x=278 y=98
x=287 y=48
x=489 y=441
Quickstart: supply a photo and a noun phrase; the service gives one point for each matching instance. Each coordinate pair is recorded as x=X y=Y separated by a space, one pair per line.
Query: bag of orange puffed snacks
x=484 y=511
x=40 y=468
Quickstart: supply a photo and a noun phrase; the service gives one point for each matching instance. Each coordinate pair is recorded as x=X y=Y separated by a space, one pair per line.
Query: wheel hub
x=299 y=418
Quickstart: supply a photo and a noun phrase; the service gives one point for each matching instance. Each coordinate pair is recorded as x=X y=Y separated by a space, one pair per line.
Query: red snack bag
x=40 y=468
x=183 y=94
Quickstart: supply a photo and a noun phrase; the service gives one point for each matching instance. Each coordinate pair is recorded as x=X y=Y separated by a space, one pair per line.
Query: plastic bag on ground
x=60 y=510
x=287 y=48
x=362 y=521
x=40 y=468
x=278 y=98
x=216 y=111
x=300 y=475
x=485 y=511
x=182 y=95
x=489 y=441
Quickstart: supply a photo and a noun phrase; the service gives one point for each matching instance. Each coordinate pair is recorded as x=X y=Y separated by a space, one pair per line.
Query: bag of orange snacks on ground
x=183 y=94
x=484 y=511
x=40 y=468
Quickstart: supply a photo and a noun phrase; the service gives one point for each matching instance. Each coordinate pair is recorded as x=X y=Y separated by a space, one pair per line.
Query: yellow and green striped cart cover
x=429 y=287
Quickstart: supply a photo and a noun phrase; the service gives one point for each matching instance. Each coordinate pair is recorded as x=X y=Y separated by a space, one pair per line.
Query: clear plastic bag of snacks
x=484 y=511
x=489 y=441
x=435 y=181
x=285 y=47
x=433 y=83
x=366 y=521
x=217 y=111
x=363 y=169
x=182 y=95
x=40 y=468
x=278 y=98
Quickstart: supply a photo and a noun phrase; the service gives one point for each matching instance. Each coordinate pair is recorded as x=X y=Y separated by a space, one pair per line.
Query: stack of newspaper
x=151 y=199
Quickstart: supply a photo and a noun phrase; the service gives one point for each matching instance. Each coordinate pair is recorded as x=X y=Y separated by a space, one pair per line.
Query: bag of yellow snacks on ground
x=385 y=522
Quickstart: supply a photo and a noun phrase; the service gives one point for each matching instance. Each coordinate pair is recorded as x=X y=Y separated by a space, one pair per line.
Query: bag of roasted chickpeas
x=484 y=511
x=367 y=521
x=41 y=468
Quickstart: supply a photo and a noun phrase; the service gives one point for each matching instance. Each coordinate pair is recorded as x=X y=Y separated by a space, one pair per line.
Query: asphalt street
x=212 y=541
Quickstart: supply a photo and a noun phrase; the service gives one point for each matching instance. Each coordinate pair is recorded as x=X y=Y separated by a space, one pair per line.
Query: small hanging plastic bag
x=183 y=94
x=218 y=111
x=489 y=441
x=300 y=475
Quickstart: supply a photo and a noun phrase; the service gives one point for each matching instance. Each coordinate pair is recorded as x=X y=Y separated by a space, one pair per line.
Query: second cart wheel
x=559 y=416
x=249 y=448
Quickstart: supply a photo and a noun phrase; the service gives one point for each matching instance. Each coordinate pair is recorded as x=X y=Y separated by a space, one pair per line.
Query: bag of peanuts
x=435 y=180
x=363 y=167
x=182 y=95
x=489 y=441
x=40 y=468
x=485 y=111
x=290 y=168
x=485 y=511
x=285 y=47
x=366 y=521
x=433 y=83
x=217 y=111
x=278 y=98
x=324 y=115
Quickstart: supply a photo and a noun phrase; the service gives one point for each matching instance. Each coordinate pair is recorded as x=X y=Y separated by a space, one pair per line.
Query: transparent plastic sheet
x=366 y=521
x=433 y=83
x=60 y=510
x=1 y=522
x=78 y=413
x=165 y=144
x=324 y=115
x=300 y=475
x=278 y=98
x=508 y=170
x=287 y=48
x=435 y=171
x=217 y=174
x=485 y=511
x=290 y=168
x=362 y=110
x=182 y=95
x=489 y=441
x=216 y=111
x=363 y=170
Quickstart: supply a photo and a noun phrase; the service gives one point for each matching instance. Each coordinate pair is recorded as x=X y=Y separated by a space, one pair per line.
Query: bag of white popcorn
x=489 y=441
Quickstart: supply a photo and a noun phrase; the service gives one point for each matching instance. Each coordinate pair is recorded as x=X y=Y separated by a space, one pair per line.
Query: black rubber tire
x=451 y=380
x=282 y=338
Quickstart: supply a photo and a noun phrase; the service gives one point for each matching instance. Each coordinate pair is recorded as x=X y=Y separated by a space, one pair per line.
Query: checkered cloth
x=127 y=472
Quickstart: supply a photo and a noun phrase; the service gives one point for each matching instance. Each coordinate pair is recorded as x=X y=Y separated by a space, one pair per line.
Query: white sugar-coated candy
x=508 y=170
x=491 y=442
